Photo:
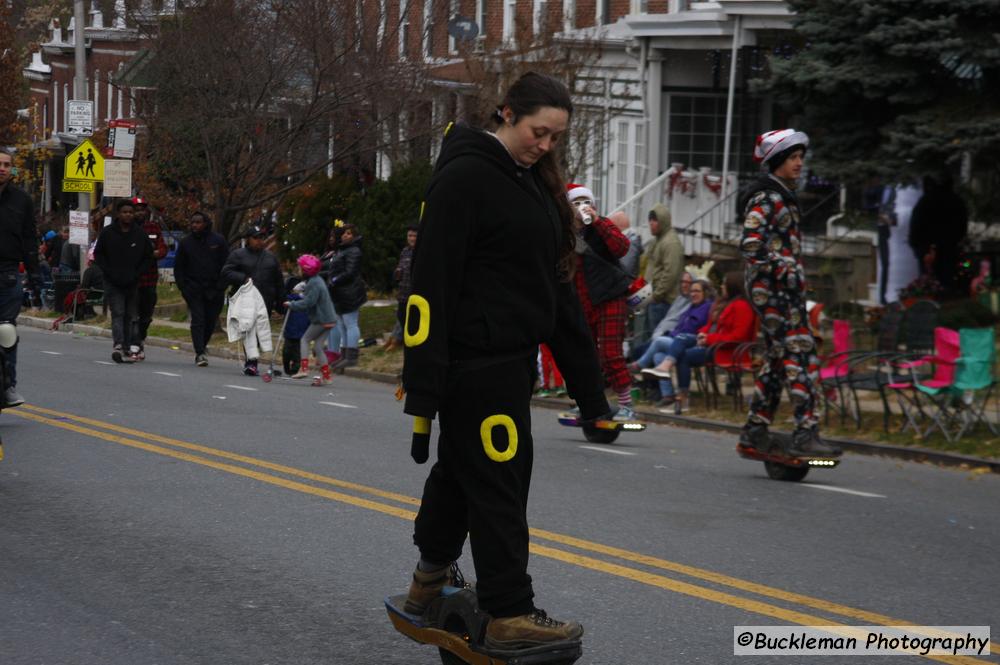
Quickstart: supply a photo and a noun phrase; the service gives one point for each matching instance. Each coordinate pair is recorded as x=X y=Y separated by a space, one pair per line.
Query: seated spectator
x=678 y=307
x=732 y=319
x=693 y=318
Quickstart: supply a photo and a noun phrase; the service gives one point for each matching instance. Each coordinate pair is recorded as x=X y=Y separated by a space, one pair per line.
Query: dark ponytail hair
x=525 y=97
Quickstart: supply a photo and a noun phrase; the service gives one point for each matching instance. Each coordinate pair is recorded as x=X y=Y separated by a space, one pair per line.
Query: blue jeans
x=657 y=346
x=350 y=333
x=686 y=354
x=11 y=297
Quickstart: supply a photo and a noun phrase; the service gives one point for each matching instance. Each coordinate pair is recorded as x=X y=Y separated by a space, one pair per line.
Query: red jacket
x=151 y=275
x=737 y=323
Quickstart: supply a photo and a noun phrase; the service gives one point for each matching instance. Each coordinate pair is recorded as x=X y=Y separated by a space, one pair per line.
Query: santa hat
x=574 y=192
x=770 y=144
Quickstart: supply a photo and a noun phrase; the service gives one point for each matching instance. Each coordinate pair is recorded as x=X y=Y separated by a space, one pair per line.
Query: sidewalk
x=646 y=413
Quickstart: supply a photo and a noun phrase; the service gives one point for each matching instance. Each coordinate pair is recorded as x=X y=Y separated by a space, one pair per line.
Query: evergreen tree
x=898 y=88
x=382 y=216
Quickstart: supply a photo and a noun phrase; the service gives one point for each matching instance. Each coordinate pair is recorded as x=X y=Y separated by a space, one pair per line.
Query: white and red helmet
x=775 y=142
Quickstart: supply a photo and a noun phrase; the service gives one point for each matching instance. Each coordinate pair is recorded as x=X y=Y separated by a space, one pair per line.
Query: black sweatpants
x=146 y=298
x=204 y=308
x=479 y=484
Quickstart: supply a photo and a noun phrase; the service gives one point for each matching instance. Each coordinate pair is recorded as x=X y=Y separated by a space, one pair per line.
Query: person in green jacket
x=664 y=264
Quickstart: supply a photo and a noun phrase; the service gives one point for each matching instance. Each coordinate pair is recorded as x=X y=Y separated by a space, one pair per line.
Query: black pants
x=145 y=304
x=291 y=355
x=204 y=307
x=474 y=489
x=122 y=303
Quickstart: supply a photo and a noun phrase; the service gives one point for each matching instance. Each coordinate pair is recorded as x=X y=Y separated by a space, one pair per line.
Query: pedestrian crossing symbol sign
x=85 y=162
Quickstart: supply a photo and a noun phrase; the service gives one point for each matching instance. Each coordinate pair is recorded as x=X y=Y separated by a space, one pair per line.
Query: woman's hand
x=702 y=339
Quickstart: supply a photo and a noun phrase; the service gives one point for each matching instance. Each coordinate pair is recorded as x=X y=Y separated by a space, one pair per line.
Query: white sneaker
x=11 y=398
x=624 y=414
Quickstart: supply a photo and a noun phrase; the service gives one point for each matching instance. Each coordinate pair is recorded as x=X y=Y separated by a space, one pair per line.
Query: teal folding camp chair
x=974 y=379
x=957 y=407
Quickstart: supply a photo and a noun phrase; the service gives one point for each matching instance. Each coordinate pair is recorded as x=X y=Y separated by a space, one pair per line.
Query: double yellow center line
x=617 y=562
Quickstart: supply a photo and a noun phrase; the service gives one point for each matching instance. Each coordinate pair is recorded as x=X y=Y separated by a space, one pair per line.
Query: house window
x=404 y=29
x=629 y=170
x=359 y=21
x=697 y=130
x=452 y=13
x=383 y=19
x=509 y=17
x=639 y=158
x=481 y=9
x=622 y=163
x=539 y=14
x=428 y=42
x=569 y=14
x=603 y=11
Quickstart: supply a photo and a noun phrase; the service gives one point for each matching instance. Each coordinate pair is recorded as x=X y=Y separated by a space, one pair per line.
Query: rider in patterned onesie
x=771 y=245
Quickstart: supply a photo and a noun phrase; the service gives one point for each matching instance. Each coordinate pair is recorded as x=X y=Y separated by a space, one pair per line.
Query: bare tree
x=254 y=98
x=565 y=59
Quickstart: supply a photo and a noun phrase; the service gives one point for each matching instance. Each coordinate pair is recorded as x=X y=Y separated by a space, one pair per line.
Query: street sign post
x=78 y=186
x=80 y=117
x=79 y=227
x=121 y=138
x=85 y=162
x=117 y=178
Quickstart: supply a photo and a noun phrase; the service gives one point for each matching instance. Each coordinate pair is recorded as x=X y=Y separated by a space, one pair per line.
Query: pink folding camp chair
x=946 y=352
x=834 y=370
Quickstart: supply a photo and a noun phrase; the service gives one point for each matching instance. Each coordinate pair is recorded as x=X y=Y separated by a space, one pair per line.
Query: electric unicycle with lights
x=600 y=431
x=779 y=464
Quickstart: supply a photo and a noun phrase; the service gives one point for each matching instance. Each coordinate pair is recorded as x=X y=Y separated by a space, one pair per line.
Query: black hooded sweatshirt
x=486 y=264
x=122 y=255
x=199 y=260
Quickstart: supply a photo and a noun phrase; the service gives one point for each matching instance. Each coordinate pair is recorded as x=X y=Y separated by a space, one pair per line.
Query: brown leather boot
x=530 y=630
x=426 y=586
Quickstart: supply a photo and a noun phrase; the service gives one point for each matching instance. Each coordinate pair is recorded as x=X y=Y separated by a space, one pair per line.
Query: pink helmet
x=310 y=264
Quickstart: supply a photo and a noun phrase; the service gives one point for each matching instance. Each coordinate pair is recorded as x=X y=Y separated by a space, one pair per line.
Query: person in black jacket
x=938 y=225
x=349 y=293
x=18 y=243
x=122 y=252
x=198 y=274
x=491 y=281
x=254 y=262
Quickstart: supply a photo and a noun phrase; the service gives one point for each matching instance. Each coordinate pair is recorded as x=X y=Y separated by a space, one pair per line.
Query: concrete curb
x=908 y=453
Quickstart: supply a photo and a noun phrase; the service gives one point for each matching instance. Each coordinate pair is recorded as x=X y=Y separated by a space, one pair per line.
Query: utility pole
x=80 y=92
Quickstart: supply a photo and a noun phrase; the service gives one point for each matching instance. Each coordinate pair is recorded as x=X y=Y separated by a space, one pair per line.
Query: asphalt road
x=166 y=514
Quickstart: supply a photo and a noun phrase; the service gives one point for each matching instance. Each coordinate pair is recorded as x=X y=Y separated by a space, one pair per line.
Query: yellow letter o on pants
x=424 y=329
x=486 y=433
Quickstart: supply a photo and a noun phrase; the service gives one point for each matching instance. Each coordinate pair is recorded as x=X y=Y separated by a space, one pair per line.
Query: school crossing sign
x=84 y=166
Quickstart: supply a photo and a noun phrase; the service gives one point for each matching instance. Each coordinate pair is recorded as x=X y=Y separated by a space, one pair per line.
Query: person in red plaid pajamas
x=150 y=277
x=602 y=286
